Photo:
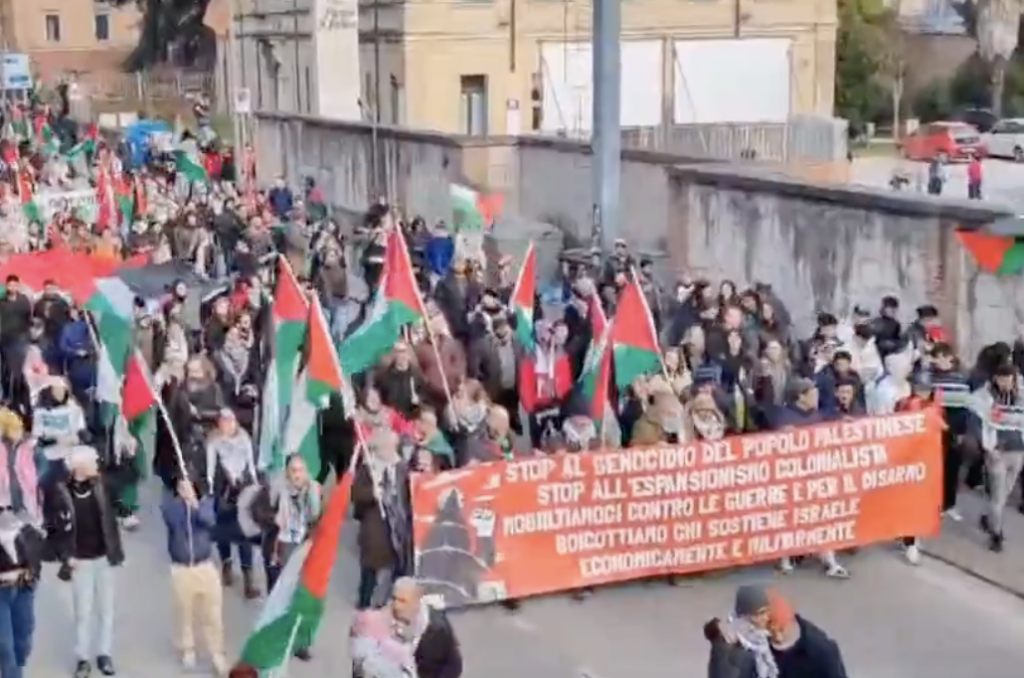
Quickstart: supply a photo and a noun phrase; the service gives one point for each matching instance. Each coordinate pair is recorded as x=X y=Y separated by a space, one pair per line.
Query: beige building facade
x=521 y=66
x=62 y=36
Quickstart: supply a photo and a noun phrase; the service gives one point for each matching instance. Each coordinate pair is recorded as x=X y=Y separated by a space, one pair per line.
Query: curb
x=971 y=572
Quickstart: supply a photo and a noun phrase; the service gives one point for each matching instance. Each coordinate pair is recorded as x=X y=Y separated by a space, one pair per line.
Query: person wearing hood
x=231 y=467
x=741 y=643
x=799 y=648
x=894 y=386
x=895 y=392
x=997 y=422
x=704 y=420
x=803 y=411
x=661 y=423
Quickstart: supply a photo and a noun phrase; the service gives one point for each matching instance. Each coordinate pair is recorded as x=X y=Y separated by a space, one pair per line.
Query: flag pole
x=650 y=322
x=426 y=323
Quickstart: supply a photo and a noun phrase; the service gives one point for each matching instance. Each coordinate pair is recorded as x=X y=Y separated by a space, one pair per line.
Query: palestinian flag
x=104 y=200
x=111 y=303
x=47 y=142
x=289 y=311
x=86 y=146
x=320 y=378
x=597 y=366
x=997 y=254
x=291 y=616
x=139 y=399
x=396 y=303
x=634 y=341
x=523 y=295
x=189 y=168
x=125 y=196
x=471 y=210
x=29 y=206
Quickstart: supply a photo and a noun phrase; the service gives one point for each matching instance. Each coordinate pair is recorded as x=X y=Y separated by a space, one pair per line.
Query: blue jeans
x=244 y=553
x=92 y=588
x=17 y=623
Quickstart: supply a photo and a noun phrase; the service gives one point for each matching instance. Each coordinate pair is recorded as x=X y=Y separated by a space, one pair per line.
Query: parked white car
x=1006 y=139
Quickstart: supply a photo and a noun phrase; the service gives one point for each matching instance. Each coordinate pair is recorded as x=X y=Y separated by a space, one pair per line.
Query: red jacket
x=974 y=172
x=528 y=383
x=213 y=164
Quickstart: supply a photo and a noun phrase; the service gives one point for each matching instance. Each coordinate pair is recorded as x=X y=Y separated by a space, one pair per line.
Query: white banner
x=79 y=201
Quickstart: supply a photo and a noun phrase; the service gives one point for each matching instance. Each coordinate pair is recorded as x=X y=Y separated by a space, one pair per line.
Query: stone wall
x=821 y=247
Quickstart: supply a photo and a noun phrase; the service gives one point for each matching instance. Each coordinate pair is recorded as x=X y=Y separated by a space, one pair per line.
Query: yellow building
x=62 y=36
x=516 y=66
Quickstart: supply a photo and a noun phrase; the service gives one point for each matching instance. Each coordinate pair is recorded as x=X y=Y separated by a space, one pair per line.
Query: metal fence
x=801 y=139
x=142 y=86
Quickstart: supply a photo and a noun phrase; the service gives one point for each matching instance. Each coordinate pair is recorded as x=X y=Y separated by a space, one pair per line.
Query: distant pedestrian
x=936 y=177
x=974 y=176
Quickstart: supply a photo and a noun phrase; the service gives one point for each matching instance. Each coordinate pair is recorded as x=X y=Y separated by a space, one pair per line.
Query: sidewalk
x=964 y=546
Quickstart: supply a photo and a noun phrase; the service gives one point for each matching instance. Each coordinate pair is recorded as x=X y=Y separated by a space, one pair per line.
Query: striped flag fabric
x=289 y=312
x=292 y=613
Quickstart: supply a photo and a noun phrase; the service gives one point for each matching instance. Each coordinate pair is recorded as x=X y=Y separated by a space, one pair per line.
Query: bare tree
x=996 y=29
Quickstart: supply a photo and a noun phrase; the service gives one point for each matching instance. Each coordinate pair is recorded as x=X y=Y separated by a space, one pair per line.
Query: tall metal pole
x=374 y=130
x=607 y=135
x=234 y=77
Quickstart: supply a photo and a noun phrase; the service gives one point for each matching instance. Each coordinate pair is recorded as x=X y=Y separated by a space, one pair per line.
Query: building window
x=102 y=27
x=52 y=28
x=473 y=105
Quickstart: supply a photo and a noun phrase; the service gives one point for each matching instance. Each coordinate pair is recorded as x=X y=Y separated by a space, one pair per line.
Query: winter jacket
x=281 y=201
x=814 y=655
x=189 y=530
x=440 y=252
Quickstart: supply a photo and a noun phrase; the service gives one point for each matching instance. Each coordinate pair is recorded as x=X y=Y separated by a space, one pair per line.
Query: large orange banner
x=554 y=523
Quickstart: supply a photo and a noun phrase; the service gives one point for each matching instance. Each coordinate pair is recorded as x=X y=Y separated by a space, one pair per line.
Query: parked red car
x=944 y=140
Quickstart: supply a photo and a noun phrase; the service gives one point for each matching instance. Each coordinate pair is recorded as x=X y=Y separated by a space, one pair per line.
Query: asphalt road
x=1003 y=180
x=892 y=621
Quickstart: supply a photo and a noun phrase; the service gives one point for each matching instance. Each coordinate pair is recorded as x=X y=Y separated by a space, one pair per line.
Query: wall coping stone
x=695 y=170
x=857 y=197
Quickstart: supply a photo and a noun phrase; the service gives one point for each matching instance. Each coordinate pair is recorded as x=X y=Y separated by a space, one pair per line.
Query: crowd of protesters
x=457 y=390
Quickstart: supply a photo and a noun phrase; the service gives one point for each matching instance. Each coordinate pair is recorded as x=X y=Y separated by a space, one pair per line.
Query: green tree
x=172 y=32
x=869 y=70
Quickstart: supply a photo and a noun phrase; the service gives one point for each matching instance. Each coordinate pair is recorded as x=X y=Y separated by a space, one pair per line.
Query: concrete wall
x=821 y=247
